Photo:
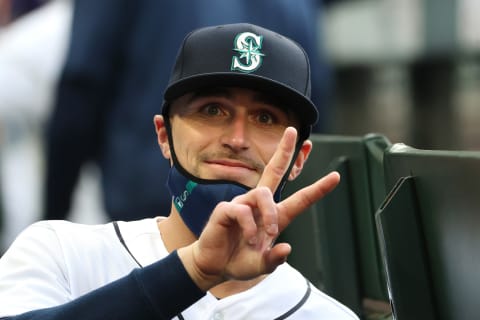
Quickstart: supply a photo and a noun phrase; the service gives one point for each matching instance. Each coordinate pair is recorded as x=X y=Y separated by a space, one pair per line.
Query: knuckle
x=223 y=205
x=264 y=191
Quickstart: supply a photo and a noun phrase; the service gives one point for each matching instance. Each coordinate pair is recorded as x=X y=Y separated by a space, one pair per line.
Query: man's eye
x=212 y=110
x=265 y=118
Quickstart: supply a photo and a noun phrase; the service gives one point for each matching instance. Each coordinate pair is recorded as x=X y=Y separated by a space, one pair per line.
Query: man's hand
x=237 y=242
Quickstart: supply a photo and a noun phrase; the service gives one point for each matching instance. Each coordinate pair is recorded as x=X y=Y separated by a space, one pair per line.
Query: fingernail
x=252 y=241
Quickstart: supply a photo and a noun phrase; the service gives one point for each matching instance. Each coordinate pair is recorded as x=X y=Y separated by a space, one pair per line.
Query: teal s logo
x=248 y=45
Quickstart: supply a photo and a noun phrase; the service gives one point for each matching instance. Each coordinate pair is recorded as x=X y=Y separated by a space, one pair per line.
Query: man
x=117 y=68
x=237 y=97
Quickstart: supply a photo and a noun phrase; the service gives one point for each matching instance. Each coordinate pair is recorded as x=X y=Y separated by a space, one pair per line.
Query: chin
x=237 y=179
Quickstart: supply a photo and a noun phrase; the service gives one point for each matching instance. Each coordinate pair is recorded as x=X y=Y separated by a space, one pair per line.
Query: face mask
x=195 y=198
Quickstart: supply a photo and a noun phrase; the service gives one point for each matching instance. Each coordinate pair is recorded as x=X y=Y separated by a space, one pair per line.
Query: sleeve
x=158 y=291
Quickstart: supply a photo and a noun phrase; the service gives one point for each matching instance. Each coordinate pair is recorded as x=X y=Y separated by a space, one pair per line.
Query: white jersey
x=53 y=262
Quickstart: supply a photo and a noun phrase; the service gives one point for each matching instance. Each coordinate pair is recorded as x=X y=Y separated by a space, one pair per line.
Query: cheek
x=266 y=149
x=187 y=145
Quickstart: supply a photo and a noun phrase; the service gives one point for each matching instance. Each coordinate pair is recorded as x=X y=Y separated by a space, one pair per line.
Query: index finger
x=278 y=165
x=294 y=205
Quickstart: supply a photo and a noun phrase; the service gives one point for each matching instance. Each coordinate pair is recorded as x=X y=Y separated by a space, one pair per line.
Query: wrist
x=203 y=280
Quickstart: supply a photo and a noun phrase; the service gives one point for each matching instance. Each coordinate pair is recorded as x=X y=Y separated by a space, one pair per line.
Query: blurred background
x=408 y=69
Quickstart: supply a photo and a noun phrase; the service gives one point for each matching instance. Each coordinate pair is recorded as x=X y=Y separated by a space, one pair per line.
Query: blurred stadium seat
x=428 y=228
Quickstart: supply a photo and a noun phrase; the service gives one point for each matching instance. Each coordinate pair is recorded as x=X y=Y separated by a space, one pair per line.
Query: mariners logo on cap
x=248 y=45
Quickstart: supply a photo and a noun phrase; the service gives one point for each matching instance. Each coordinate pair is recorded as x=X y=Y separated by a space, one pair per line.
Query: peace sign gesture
x=237 y=242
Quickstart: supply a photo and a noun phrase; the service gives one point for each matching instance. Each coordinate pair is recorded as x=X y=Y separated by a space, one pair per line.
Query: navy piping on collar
x=298 y=305
x=122 y=241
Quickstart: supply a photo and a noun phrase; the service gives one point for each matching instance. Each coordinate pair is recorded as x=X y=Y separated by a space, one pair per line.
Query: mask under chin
x=195 y=198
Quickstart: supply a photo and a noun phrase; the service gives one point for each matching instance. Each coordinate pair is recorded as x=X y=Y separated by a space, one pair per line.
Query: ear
x=302 y=156
x=162 y=136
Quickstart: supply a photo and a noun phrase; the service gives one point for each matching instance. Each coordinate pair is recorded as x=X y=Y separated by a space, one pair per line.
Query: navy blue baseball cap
x=248 y=56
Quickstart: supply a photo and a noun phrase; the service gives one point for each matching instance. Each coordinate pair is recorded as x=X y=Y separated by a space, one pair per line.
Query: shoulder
x=37 y=234
x=285 y=294
x=58 y=230
x=328 y=307
x=314 y=303
x=51 y=238
x=56 y=240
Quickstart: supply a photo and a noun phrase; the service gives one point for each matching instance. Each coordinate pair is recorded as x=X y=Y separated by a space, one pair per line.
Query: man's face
x=227 y=133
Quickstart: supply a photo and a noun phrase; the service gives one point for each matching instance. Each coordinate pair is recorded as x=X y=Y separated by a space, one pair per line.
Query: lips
x=231 y=163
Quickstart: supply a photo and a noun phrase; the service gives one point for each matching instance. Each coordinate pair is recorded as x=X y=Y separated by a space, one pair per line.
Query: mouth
x=233 y=164
x=232 y=170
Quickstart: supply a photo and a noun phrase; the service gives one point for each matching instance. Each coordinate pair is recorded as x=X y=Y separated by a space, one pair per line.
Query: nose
x=235 y=136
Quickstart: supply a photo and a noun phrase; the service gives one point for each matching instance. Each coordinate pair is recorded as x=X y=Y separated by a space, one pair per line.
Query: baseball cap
x=249 y=56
